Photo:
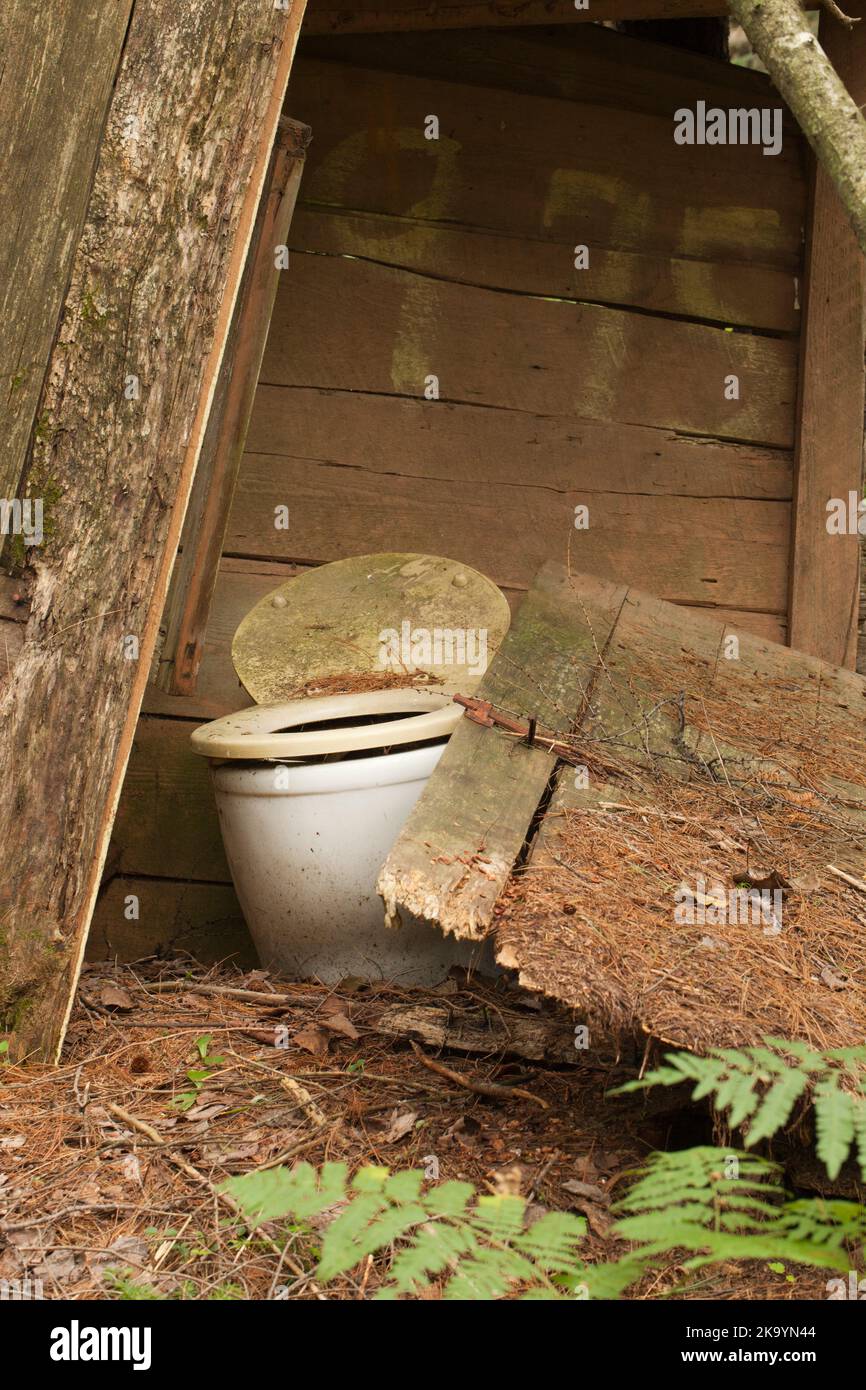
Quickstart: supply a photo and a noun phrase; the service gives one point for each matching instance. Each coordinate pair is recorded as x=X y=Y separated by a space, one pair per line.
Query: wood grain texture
x=241 y=583
x=824 y=572
x=629 y=650
x=167 y=819
x=203 y=920
x=656 y=652
x=195 y=571
x=567 y=171
x=386 y=16
x=51 y=122
x=489 y=449
x=352 y=325
x=152 y=292
x=687 y=549
x=580 y=63
x=753 y=295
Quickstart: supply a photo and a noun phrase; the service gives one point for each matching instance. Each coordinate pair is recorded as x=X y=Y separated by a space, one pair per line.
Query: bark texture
x=829 y=117
x=51 y=127
x=153 y=284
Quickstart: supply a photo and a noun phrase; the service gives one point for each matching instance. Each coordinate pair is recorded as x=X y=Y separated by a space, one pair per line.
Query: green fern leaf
x=819 y=1221
x=552 y=1242
x=738 y=1097
x=662 y=1076
x=834 y=1123
x=777 y=1105
x=435 y=1247
x=811 y=1061
x=499 y=1218
x=488 y=1274
x=449 y=1198
x=364 y=1229
x=858 y=1119
x=298 y=1192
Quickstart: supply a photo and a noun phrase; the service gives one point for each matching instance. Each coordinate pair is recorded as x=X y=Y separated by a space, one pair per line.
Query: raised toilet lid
x=325 y=627
x=258 y=732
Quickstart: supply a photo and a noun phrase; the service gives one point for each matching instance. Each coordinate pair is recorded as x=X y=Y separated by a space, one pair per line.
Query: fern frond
x=759 y=1087
x=300 y=1192
x=435 y=1248
x=552 y=1242
x=777 y=1105
x=834 y=1123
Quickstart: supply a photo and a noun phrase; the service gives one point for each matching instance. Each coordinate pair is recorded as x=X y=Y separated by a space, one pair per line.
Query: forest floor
x=111 y=1164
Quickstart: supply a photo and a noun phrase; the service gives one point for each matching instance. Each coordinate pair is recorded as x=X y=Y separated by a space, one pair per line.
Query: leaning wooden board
x=46 y=169
x=149 y=306
x=456 y=851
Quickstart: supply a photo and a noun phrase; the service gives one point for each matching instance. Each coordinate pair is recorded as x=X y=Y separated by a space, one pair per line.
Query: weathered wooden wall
x=558 y=386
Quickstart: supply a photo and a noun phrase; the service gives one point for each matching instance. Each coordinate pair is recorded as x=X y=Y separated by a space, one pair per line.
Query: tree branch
x=831 y=121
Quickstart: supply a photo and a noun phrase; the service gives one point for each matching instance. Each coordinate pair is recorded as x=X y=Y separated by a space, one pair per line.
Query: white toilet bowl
x=311 y=796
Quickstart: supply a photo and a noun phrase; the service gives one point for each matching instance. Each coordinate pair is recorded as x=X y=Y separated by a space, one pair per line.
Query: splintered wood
x=455 y=852
x=700 y=876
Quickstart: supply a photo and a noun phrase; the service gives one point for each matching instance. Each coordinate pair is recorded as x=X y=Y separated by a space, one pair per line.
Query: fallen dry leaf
x=398 y=1126
x=339 y=1023
x=131 y=1168
x=312 y=1039
x=832 y=980
x=589 y=1190
x=111 y=996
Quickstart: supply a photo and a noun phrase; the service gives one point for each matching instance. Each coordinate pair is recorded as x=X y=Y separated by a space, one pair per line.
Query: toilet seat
x=258 y=732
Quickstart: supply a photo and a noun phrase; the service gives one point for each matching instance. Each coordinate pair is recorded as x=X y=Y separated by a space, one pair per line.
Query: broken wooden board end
x=458 y=847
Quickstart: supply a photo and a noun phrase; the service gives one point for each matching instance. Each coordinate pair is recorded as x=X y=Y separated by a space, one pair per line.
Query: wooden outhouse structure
x=445 y=282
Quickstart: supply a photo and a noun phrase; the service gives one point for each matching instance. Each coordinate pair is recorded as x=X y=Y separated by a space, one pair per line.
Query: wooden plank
x=203 y=920
x=454 y=855
x=204 y=530
x=239 y=586
x=776 y=705
x=581 y=63
x=152 y=292
x=386 y=16
x=824 y=592
x=480 y=449
x=545 y=168
x=53 y=59
x=754 y=295
x=703 y=551
x=355 y=326
x=167 y=820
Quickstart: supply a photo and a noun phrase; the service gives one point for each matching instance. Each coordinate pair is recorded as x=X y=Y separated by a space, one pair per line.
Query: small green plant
x=694 y=1208
x=758 y=1087
x=480 y=1243
x=126 y=1289
x=719 y=1205
x=198 y=1075
x=690 y=1208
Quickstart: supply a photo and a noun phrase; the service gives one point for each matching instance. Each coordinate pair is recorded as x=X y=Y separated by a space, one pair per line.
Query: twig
x=481 y=1088
x=832 y=8
x=227 y=992
x=847 y=878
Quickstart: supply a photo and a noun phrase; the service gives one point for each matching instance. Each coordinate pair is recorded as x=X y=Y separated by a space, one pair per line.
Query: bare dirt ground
x=110 y=1165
